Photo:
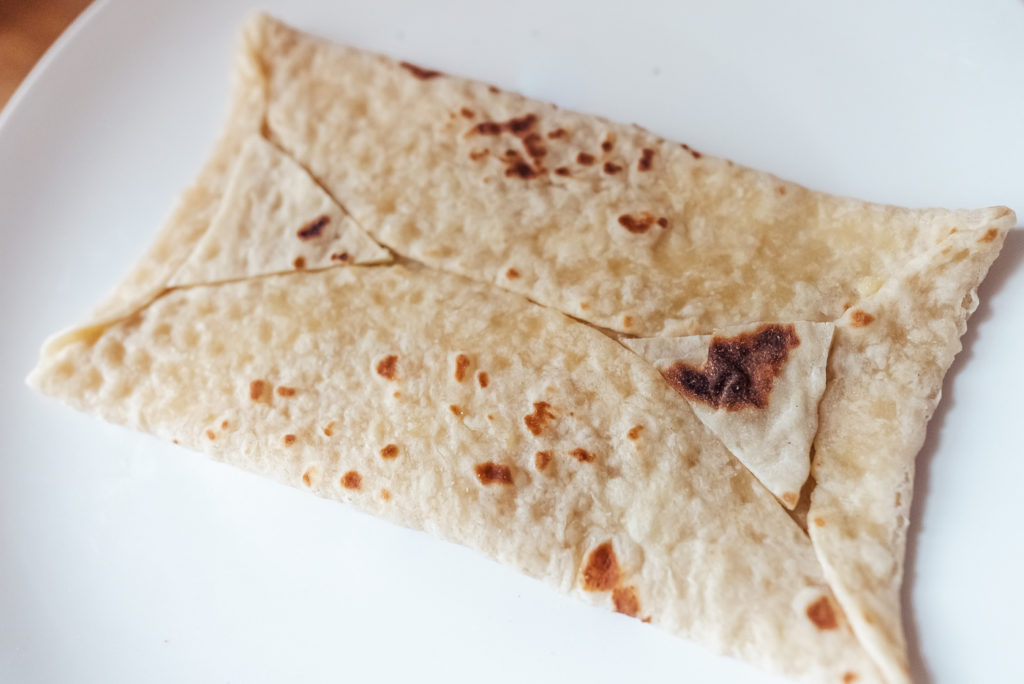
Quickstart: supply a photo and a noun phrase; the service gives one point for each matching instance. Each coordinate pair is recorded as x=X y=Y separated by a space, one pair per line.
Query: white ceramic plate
x=123 y=559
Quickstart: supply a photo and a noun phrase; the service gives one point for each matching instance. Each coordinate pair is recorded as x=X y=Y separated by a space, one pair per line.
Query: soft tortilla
x=571 y=460
x=773 y=441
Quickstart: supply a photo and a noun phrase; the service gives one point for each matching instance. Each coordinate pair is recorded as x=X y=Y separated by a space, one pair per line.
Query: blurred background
x=27 y=28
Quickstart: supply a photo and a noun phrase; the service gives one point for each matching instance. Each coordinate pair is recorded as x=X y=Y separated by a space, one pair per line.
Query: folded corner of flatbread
x=453 y=391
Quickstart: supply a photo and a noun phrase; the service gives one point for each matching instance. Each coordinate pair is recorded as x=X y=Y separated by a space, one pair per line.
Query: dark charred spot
x=387 y=366
x=493 y=473
x=256 y=389
x=608 y=144
x=582 y=455
x=289 y=440
x=390 y=451
x=562 y=171
x=541 y=459
x=522 y=124
x=477 y=155
x=352 y=480
x=638 y=223
x=314 y=228
x=488 y=128
x=557 y=133
x=467 y=112
x=340 y=256
x=521 y=170
x=534 y=147
x=420 y=72
x=625 y=601
x=299 y=263
x=601 y=572
x=611 y=168
x=646 y=160
x=860 y=319
x=990 y=235
x=493 y=89
x=585 y=159
x=663 y=222
x=483 y=379
x=634 y=432
x=456 y=410
x=329 y=429
x=211 y=435
x=283 y=391
x=822 y=615
x=541 y=416
x=461 y=364
x=693 y=153
x=511 y=274
x=739 y=371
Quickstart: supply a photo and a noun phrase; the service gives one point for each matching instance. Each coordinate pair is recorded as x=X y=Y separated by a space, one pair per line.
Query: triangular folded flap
x=885 y=379
x=273 y=218
x=498 y=428
x=756 y=387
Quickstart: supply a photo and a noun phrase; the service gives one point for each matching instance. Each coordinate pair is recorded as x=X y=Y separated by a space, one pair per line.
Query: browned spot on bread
x=314 y=228
x=396 y=394
x=989 y=235
x=493 y=89
x=385 y=494
x=483 y=378
x=663 y=222
x=329 y=429
x=608 y=144
x=822 y=615
x=634 y=432
x=627 y=321
x=511 y=274
x=557 y=133
x=611 y=168
x=307 y=477
x=646 y=160
x=647 y=620
x=457 y=410
x=493 y=473
x=781 y=189
x=541 y=459
x=175 y=441
x=601 y=572
x=467 y=112
x=283 y=391
x=693 y=153
x=211 y=435
x=224 y=425
x=520 y=126
x=461 y=364
x=256 y=389
x=339 y=256
x=521 y=170
x=638 y=223
x=352 y=480
x=850 y=677
x=860 y=319
x=386 y=367
x=563 y=171
x=534 y=147
x=389 y=451
x=790 y=499
x=299 y=263
x=625 y=601
x=419 y=72
x=541 y=416
x=739 y=371
x=582 y=455
x=585 y=159
x=477 y=155
x=584 y=306
x=289 y=440
x=819 y=521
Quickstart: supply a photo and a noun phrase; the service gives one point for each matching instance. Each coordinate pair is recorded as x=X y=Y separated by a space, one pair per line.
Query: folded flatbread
x=432 y=392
